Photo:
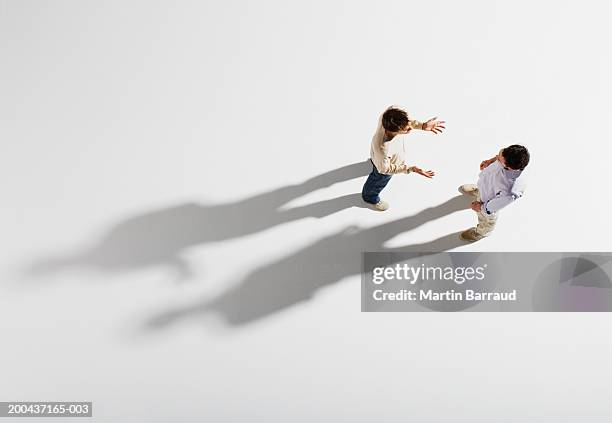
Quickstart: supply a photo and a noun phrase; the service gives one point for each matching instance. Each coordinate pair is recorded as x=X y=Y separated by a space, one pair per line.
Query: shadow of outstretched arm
x=280 y=196
x=297 y=277
x=159 y=237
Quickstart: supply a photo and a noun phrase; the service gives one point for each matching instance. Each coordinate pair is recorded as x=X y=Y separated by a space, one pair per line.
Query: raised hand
x=486 y=163
x=433 y=125
x=427 y=173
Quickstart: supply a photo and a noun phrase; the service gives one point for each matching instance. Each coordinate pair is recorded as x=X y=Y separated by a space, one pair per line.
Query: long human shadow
x=295 y=278
x=161 y=236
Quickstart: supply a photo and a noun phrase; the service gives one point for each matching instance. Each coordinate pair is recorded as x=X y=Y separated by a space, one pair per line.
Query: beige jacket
x=389 y=157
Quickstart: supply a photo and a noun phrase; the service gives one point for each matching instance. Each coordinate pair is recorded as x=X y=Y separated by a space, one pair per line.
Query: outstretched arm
x=426 y=173
x=388 y=168
x=433 y=125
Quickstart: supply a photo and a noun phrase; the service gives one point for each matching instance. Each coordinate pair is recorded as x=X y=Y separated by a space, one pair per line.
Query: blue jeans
x=374 y=185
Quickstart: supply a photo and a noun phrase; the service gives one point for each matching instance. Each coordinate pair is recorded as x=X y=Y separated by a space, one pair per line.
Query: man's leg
x=486 y=224
x=469 y=189
x=373 y=186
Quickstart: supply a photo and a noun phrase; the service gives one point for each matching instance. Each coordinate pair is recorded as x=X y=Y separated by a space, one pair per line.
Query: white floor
x=154 y=157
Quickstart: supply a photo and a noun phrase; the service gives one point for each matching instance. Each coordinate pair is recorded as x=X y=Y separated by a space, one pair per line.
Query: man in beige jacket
x=387 y=152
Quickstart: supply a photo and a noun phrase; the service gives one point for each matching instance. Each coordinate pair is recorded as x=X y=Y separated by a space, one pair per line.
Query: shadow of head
x=161 y=237
x=295 y=278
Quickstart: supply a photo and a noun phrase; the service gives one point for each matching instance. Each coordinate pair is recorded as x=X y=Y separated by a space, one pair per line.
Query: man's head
x=515 y=157
x=395 y=120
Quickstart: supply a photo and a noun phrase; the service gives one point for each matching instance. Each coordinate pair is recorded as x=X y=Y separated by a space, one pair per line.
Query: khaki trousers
x=486 y=222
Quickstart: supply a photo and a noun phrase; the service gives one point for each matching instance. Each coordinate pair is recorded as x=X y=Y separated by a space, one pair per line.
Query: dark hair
x=516 y=157
x=394 y=120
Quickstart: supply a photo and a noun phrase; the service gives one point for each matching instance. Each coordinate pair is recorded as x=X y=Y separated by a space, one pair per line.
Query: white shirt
x=499 y=187
x=389 y=157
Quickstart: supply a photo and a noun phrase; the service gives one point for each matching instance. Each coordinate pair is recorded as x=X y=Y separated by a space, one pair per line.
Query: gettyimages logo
x=478 y=281
x=427 y=281
x=421 y=273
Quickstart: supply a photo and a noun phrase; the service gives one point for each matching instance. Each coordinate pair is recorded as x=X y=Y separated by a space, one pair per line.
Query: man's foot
x=470 y=235
x=468 y=189
x=382 y=205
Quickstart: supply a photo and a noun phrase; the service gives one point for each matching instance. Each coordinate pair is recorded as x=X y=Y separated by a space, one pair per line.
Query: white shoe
x=382 y=205
x=468 y=189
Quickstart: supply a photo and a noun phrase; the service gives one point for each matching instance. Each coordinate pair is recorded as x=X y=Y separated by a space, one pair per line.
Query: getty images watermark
x=473 y=281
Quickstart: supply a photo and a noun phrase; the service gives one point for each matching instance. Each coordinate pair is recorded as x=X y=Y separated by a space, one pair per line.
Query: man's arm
x=387 y=168
x=486 y=163
x=433 y=125
x=415 y=124
x=426 y=173
x=496 y=204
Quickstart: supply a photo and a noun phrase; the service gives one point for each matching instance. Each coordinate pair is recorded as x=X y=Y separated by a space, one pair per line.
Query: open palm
x=434 y=125
x=427 y=173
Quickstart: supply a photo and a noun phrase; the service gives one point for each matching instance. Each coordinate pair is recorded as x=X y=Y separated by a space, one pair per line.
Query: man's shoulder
x=520 y=183
x=379 y=135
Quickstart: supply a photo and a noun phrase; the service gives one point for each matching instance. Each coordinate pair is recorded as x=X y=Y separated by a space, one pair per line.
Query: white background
x=124 y=123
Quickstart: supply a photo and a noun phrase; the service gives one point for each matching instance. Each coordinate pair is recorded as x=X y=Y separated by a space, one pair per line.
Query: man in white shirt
x=500 y=183
x=387 y=152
